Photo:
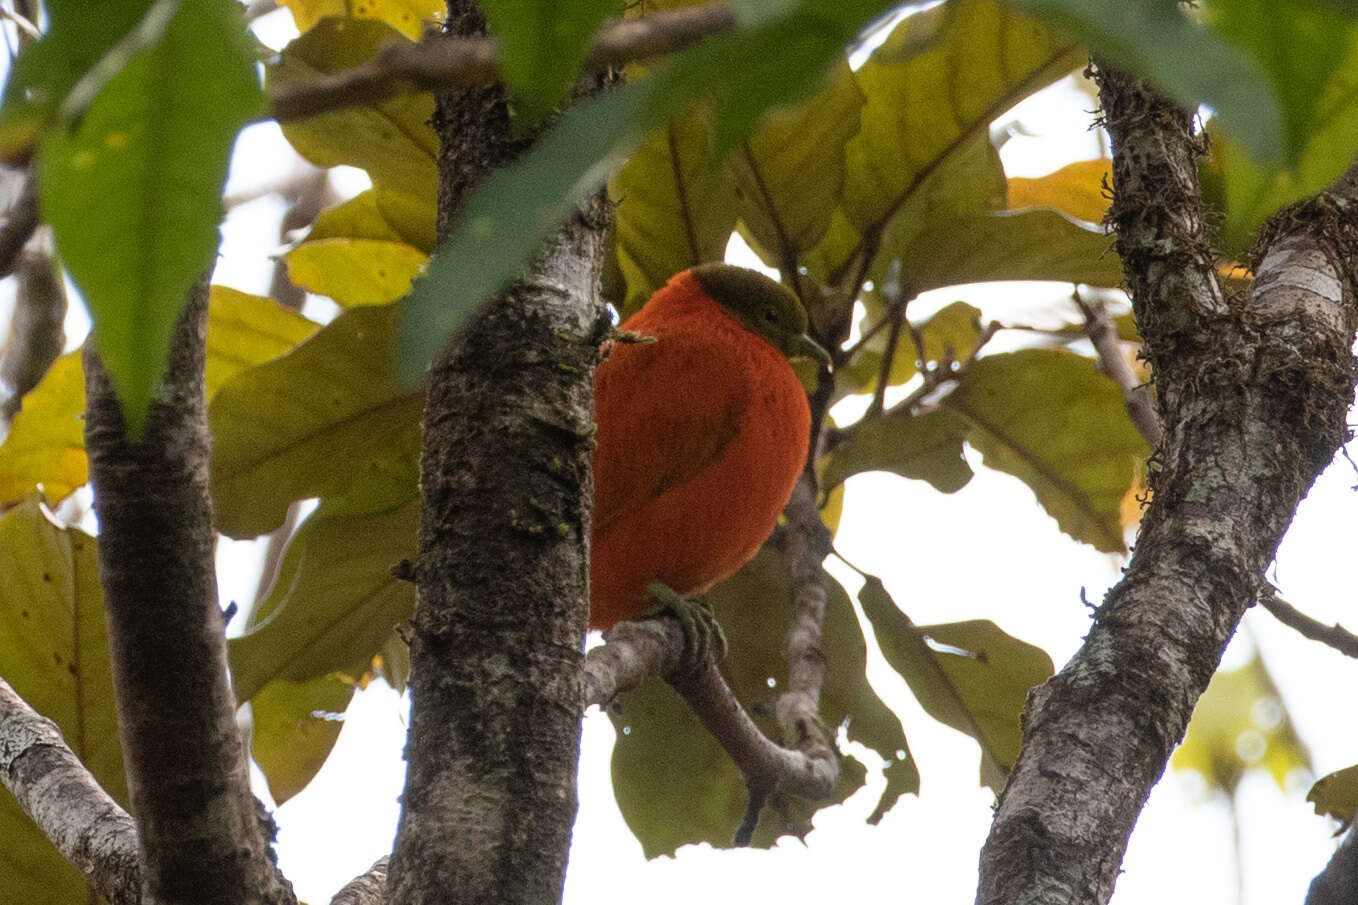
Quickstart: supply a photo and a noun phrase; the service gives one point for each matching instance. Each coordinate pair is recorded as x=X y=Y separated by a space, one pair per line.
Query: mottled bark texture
x=1252 y=395
x=53 y=787
x=497 y=686
x=203 y=838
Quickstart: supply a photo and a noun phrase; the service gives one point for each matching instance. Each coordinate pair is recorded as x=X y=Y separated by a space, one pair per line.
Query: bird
x=702 y=432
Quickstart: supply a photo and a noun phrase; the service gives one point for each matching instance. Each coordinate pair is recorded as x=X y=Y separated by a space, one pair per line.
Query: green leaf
x=542 y=44
x=411 y=17
x=132 y=189
x=54 y=652
x=1009 y=245
x=46 y=71
x=926 y=447
x=675 y=208
x=509 y=215
x=790 y=174
x=46 y=442
x=673 y=782
x=295 y=725
x=967 y=675
x=310 y=423
x=1318 y=91
x=355 y=271
x=1336 y=794
x=1156 y=40
x=933 y=89
x=391 y=139
x=951 y=333
x=1048 y=417
x=335 y=602
x=1240 y=722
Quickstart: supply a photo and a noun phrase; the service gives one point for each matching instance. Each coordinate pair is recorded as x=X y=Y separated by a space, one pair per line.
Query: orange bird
x=702 y=435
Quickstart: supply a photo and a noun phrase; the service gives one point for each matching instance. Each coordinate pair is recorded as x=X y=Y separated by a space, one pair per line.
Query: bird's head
x=765 y=306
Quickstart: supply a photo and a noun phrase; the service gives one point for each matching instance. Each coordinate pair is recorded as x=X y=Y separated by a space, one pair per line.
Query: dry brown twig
x=441 y=61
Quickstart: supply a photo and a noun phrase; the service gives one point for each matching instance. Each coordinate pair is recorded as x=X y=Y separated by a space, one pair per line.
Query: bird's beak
x=803 y=346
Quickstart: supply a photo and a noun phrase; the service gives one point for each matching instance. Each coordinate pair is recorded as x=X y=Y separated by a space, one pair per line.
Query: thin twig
x=19 y=225
x=655 y=646
x=889 y=359
x=53 y=787
x=1335 y=636
x=1103 y=333
x=444 y=61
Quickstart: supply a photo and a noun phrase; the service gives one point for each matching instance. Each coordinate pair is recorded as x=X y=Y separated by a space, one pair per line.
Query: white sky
x=988 y=551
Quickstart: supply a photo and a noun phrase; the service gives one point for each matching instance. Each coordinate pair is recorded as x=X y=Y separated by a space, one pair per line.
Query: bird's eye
x=770 y=316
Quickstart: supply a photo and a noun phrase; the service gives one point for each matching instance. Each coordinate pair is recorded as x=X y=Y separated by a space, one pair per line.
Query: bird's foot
x=703 y=637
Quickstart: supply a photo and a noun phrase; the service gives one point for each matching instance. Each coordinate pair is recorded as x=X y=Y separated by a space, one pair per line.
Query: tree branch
x=1253 y=396
x=446 y=62
x=19 y=225
x=1103 y=333
x=1335 y=884
x=53 y=787
x=368 y=888
x=1335 y=636
x=502 y=577
x=202 y=838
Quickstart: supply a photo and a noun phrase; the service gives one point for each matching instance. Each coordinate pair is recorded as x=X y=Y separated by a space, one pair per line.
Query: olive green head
x=765 y=306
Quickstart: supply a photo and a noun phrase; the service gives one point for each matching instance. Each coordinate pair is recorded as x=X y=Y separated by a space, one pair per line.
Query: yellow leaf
x=1077 y=188
x=54 y=652
x=355 y=271
x=410 y=17
x=46 y=442
x=295 y=726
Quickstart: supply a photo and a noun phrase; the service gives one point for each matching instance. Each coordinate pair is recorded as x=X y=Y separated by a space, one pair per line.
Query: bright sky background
x=988 y=551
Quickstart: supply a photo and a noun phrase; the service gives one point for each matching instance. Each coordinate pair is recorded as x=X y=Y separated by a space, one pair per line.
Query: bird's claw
x=703 y=637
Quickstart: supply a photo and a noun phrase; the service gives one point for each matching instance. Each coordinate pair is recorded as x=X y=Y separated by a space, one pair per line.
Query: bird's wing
x=666 y=410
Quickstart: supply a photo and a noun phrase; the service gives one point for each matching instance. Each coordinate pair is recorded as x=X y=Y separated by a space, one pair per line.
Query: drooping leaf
x=294 y=727
x=542 y=44
x=310 y=423
x=411 y=18
x=675 y=208
x=46 y=442
x=674 y=784
x=355 y=271
x=967 y=675
x=1193 y=63
x=132 y=187
x=335 y=602
x=926 y=447
x=54 y=653
x=1336 y=794
x=391 y=139
x=1240 y=722
x=1080 y=189
x=1048 y=417
x=743 y=73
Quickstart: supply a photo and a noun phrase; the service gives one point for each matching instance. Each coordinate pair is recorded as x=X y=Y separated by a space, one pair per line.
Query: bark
x=1253 y=394
x=202 y=836
x=497 y=686
x=53 y=787
x=1337 y=884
